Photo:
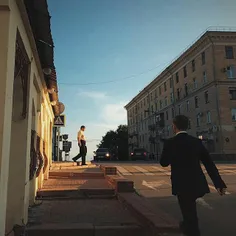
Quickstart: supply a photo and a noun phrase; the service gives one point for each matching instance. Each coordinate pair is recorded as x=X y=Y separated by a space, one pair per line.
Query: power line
x=115 y=80
x=89 y=140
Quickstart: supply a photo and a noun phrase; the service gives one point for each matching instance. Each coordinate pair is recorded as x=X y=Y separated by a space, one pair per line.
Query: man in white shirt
x=82 y=144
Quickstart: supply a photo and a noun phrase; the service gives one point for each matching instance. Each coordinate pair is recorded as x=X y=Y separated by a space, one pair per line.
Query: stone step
x=74 y=174
x=85 y=230
x=75 y=194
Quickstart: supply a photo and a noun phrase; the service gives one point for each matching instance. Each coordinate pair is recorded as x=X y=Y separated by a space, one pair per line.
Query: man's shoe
x=73 y=159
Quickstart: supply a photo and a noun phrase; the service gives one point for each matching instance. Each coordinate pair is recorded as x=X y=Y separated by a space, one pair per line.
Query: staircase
x=79 y=201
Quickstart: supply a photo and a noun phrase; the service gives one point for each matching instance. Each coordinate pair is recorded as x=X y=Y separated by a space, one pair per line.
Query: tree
x=117 y=140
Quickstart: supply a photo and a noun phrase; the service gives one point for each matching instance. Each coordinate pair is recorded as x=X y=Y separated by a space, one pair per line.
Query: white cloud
x=114 y=113
x=111 y=115
x=93 y=94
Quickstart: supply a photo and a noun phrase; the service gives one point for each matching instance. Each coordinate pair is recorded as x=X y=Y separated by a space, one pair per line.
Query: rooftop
x=208 y=32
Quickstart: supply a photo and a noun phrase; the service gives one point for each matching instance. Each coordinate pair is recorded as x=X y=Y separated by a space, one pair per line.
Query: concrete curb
x=158 y=223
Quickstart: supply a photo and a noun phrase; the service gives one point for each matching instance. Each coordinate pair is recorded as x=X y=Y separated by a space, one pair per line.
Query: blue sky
x=103 y=40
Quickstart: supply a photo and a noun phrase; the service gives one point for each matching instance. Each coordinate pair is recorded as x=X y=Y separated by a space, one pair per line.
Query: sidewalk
x=78 y=200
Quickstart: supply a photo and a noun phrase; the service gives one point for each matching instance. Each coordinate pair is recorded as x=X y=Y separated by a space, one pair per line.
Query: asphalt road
x=217 y=215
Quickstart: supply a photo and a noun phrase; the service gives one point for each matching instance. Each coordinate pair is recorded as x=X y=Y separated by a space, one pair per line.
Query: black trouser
x=82 y=153
x=188 y=208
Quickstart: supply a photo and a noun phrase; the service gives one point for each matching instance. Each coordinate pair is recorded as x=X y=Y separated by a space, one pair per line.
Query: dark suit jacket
x=185 y=153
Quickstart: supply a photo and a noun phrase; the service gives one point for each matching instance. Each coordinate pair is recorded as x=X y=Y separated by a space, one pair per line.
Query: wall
x=15 y=134
x=6 y=88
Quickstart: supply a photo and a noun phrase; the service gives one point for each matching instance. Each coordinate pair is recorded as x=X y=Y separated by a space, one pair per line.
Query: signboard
x=59 y=121
x=67 y=146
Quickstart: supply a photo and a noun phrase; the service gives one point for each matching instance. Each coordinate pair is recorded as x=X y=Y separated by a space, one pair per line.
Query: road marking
x=123 y=171
x=230 y=171
x=162 y=170
x=213 y=188
x=202 y=202
x=154 y=184
x=143 y=170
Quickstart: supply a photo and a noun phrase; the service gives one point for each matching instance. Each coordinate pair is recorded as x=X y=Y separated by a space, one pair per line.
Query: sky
x=128 y=42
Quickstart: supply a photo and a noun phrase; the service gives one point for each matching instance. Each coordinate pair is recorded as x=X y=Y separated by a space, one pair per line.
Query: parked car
x=102 y=154
x=139 y=154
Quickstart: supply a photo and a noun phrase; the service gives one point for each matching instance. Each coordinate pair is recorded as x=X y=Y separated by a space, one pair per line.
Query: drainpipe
x=217 y=95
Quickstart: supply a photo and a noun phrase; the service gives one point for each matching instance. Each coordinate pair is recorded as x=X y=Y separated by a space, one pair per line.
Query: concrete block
x=109 y=170
x=159 y=223
x=120 y=184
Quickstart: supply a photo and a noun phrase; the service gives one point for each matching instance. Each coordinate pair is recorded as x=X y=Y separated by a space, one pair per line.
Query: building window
x=177 y=77
x=208 y=117
x=165 y=86
x=171 y=83
x=179 y=107
x=196 y=102
x=231 y=72
x=151 y=96
x=193 y=65
x=189 y=124
x=204 y=77
x=203 y=58
x=168 y=130
x=166 y=101
x=167 y=115
x=172 y=97
x=160 y=104
x=232 y=92
x=173 y=112
x=185 y=71
x=178 y=93
x=194 y=83
x=229 y=52
x=186 y=89
x=187 y=106
x=198 y=120
x=156 y=93
x=156 y=106
x=152 y=108
x=160 y=90
x=206 y=96
x=233 y=112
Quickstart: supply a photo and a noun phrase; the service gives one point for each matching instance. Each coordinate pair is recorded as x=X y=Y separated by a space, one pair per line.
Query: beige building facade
x=200 y=84
x=26 y=111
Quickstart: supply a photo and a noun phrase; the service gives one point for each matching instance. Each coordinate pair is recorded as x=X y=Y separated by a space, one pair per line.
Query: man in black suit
x=184 y=153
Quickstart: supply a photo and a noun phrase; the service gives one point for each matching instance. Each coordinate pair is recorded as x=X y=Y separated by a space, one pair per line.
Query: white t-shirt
x=81 y=135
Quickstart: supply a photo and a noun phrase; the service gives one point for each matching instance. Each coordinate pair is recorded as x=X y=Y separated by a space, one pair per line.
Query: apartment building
x=201 y=84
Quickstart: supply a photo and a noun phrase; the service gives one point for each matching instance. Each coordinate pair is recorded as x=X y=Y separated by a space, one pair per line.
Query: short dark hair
x=181 y=122
x=82 y=127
